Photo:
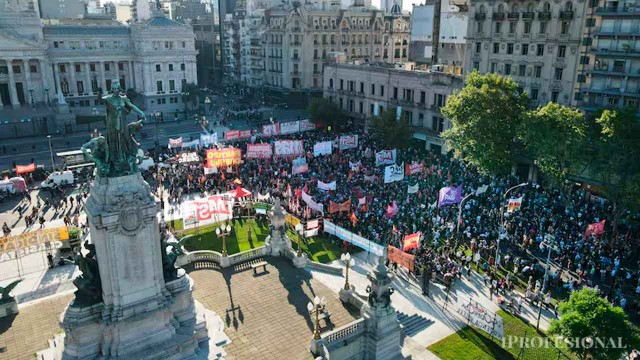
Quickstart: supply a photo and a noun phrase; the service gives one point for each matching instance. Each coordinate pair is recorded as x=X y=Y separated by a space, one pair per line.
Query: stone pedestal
x=8 y=307
x=300 y=261
x=345 y=295
x=225 y=261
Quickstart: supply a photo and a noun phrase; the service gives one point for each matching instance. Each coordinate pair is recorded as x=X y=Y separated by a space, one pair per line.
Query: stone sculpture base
x=384 y=336
x=8 y=308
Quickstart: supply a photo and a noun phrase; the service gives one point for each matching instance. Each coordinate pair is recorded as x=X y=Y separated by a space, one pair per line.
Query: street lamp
x=502 y=229
x=349 y=262
x=550 y=243
x=46 y=92
x=53 y=165
x=459 y=220
x=207 y=101
x=316 y=308
x=300 y=231
x=223 y=232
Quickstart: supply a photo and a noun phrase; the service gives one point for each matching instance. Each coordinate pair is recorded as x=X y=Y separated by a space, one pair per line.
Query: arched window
x=514 y=8
x=331 y=83
x=546 y=7
x=568 y=6
x=481 y=9
x=530 y=8
x=500 y=8
x=315 y=53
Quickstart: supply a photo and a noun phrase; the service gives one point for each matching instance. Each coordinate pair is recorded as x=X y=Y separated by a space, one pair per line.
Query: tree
x=587 y=315
x=554 y=136
x=324 y=112
x=191 y=94
x=486 y=116
x=389 y=132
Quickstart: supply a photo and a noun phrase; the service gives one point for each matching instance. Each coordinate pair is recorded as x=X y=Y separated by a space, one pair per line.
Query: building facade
x=610 y=57
x=535 y=43
x=366 y=90
x=73 y=61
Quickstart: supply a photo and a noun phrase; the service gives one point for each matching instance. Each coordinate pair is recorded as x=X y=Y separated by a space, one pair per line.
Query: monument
x=131 y=302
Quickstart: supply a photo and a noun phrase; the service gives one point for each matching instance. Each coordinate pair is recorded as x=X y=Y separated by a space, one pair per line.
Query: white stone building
x=360 y=89
x=535 y=43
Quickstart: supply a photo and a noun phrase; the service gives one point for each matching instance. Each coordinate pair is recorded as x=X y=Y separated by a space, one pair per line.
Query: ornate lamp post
x=349 y=262
x=300 y=231
x=223 y=232
x=316 y=308
x=502 y=229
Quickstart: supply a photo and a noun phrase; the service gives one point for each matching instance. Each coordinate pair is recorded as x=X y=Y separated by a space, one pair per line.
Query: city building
x=368 y=89
x=439 y=32
x=62 y=9
x=52 y=61
x=289 y=46
x=535 y=43
x=610 y=57
x=141 y=10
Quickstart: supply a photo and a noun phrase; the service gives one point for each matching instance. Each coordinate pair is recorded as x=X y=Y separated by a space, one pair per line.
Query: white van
x=59 y=178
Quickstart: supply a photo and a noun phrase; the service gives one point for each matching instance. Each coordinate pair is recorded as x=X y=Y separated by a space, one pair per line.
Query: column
x=56 y=76
x=149 y=87
x=87 y=70
x=12 y=84
x=27 y=79
x=102 y=79
x=73 y=88
x=132 y=82
x=117 y=70
x=47 y=78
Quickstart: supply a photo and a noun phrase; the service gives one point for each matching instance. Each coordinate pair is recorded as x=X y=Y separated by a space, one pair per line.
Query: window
x=537 y=71
x=543 y=27
x=106 y=68
x=362 y=88
x=80 y=86
x=562 y=49
x=184 y=44
x=92 y=67
x=554 y=96
x=330 y=83
x=33 y=69
x=158 y=67
x=590 y=22
x=439 y=100
x=476 y=65
x=557 y=74
x=522 y=69
x=182 y=67
x=170 y=67
x=373 y=89
x=78 y=68
x=534 y=94
x=395 y=92
x=584 y=60
x=525 y=49
x=159 y=86
x=381 y=91
x=498 y=27
x=423 y=97
x=479 y=26
x=16 y=69
x=62 y=68
x=478 y=47
x=507 y=69
x=493 y=67
x=94 y=85
x=437 y=124
x=341 y=84
x=564 y=28
x=120 y=66
x=512 y=27
x=540 y=50
x=510 y=48
x=496 y=48
x=527 y=27
x=108 y=83
x=172 y=85
x=361 y=108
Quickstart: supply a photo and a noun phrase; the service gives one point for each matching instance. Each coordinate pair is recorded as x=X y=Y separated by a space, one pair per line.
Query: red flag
x=306 y=188
x=21 y=169
x=298 y=193
x=411 y=241
x=595 y=228
x=354 y=219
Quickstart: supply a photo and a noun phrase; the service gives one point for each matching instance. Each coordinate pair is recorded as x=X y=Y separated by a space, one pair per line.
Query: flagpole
x=502 y=229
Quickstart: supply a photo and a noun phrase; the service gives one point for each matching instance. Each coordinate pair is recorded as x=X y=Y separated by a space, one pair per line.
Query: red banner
x=403 y=259
x=335 y=207
x=237 y=134
x=595 y=228
x=223 y=157
x=411 y=241
x=413 y=168
x=259 y=151
x=21 y=169
x=270 y=129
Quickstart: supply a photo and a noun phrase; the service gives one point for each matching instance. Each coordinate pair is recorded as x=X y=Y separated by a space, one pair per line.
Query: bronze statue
x=4 y=292
x=96 y=150
x=89 y=286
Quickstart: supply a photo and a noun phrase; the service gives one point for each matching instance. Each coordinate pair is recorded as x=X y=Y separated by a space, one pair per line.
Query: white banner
x=356 y=240
x=480 y=317
x=482 y=189
x=211 y=170
x=386 y=157
x=289 y=127
x=393 y=173
x=413 y=189
x=306 y=125
x=175 y=143
x=312 y=204
x=348 y=142
x=208 y=139
x=299 y=169
x=355 y=167
x=209 y=210
x=263 y=197
x=190 y=144
x=327 y=186
x=322 y=148
x=270 y=129
x=289 y=147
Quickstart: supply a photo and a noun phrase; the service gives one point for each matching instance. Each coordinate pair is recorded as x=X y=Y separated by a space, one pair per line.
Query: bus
x=73 y=160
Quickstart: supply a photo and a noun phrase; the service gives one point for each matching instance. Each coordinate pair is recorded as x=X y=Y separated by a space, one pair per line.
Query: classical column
x=148 y=83
x=87 y=70
x=56 y=76
x=46 y=74
x=102 y=79
x=27 y=80
x=12 y=85
x=73 y=88
x=117 y=70
x=132 y=82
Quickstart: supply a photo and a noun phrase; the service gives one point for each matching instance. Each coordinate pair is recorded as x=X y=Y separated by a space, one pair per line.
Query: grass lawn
x=318 y=248
x=474 y=344
x=237 y=241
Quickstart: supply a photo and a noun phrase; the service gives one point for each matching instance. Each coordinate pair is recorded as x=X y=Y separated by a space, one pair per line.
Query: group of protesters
x=453 y=237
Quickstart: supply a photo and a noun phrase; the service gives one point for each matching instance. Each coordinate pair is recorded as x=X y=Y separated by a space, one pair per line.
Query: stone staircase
x=413 y=324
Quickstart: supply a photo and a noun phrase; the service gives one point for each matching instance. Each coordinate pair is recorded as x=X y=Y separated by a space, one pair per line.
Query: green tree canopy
x=486 y=116
x=587 y=315
x=554 y=136
x=389 y=132
x=191 y=94
x=324 y=112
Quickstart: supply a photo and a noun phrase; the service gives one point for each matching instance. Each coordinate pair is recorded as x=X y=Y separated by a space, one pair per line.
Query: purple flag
x=450 y=195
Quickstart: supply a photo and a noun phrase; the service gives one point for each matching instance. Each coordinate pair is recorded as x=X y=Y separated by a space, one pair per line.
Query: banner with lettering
x=271 y=129
x=175 y=143
x=327 y=186
x=23 y=169
x=393 y=173
x=307 y=125
x=191 y=144
x=188 y=157
x=312 y=204
x=259 y=151
x=401 y=258
x=289 y=127
x=386 y=157
x=289 y=148
x=298 y=161
x=414 y=168
x=411 y=241
x=206 y=210
x=449 y=195
x=355 y=167
x=335 y=207
x=237 y=134
x=223 y=157
x=50 y=239
x=299 y=169
x=412 y=189
x=348 y=142
x=595 y=228
x=291 y=220
x=357 y=240
x=322 y=148
x=208 y=139
x=514 y=204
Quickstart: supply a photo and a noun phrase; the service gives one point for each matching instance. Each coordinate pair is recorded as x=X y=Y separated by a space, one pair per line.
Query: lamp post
x=300 y=231
x=316 y=308
x=502 y=230
x=349 y=262
x=207 y=101
x=46 y=92
x=459 y=219
x=53 y=165
x=33 y=104
x=550 y=243
x=157 y=116
x=223 y=231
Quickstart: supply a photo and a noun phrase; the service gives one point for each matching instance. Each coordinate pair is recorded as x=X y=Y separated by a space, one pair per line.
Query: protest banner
x=289 y=148
x=412 y=189
x=327 y=186
x=386 y=157
x=355 y=167
x=307 y=125
x=595 y=228
x=322 y=148
x=244 y=134
x=271 y=129
x=414 y=168
x=393 y=173
x=208 y=139
x=175 y=143
x=23 y=169
x=335 y=207
x=357 y=240
x=223 y=157
x=411 y=241
x=289 y=127
x=188 y=157
x=449 y=195
x=16 y=246
x=480 y=317
x=190 y=144
x=261 y=208
x=210 y=170
x=313 y=224
x=392 y=210
x=401 y=258
x=259 y=151
x=206 y=210
x=482 y=189
x=348 y=142
x=298 y=161
x=370 y=178
x=299 y=169
x=291 y=220
x=312 y=204
x=514 y=204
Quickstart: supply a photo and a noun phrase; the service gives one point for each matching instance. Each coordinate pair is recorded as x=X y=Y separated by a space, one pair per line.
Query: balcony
x=616 y=32
x=566 y=15
x=616 y=52
x=528 y=15
x=480 y=16
x=513 y=16
x=497 y=16
x=627 y=10
x=544 y=15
